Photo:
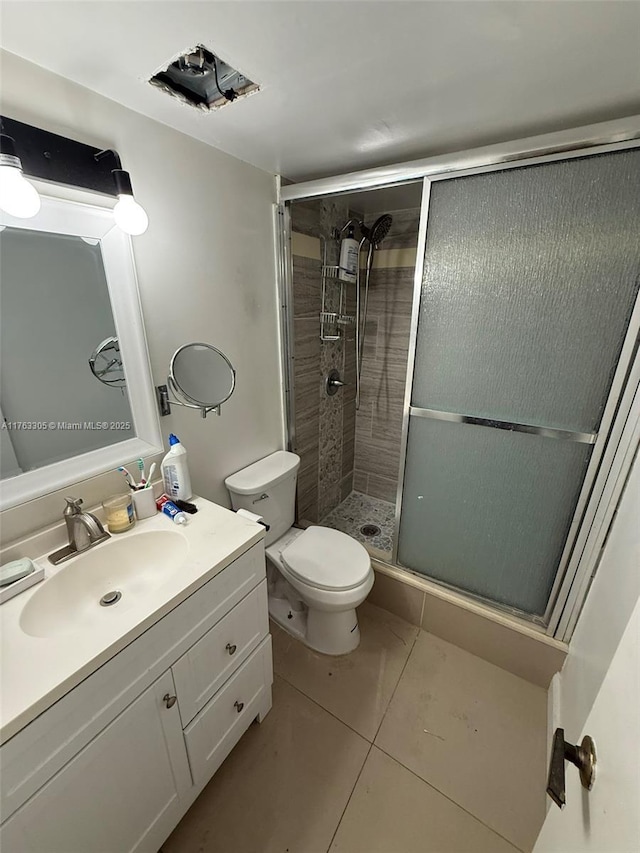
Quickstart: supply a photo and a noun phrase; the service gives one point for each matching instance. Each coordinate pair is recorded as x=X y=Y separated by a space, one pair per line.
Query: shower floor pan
x=367 y=519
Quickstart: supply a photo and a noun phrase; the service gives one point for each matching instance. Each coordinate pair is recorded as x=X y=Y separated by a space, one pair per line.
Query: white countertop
x=37 y=671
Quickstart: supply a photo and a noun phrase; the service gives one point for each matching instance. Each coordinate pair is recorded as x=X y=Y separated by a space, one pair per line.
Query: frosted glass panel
x=488 y=511
x=530 y=278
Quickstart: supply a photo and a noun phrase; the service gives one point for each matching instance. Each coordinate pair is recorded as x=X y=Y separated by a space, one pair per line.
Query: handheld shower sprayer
x=374 y=236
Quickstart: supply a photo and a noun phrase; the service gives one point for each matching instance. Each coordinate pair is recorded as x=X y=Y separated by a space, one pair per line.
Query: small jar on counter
x=119 y=512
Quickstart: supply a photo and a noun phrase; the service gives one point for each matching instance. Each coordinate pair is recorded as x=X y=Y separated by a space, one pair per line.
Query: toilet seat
x=327 y=559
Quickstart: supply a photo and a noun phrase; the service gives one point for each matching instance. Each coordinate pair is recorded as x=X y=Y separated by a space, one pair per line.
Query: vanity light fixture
x=18 y=197
x=60 y=160
x=129 y=215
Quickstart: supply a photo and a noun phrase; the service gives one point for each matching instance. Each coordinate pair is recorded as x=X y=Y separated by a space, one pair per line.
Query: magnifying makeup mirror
x=200 y=377
x=106 y=363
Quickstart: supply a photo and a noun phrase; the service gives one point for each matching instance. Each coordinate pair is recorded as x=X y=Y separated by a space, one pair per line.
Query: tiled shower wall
x=384 y=363
x=340 y=449
x=324 y=426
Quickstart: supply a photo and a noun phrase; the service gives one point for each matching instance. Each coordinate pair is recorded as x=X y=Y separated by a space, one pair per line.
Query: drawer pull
x=238 y=706
x=231 y=648
x=168 y=700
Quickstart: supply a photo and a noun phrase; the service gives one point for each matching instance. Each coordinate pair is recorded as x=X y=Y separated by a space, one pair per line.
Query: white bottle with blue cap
x=175 y=471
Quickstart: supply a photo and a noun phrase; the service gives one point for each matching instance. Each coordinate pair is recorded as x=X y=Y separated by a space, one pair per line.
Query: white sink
x=135 y=565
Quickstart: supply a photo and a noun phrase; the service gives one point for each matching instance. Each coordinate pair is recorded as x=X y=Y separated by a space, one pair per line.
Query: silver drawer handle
x=169 y=700
x=231 y=648
x=238 y=706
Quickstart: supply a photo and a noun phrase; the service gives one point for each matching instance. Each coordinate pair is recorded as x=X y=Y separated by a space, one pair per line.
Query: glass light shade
x=18 y=197
x=130 y=216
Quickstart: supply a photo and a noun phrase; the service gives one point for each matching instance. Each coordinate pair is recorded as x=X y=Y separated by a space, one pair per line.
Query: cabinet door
x=121 y=793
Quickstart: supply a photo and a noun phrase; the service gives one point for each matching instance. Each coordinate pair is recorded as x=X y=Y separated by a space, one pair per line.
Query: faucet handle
x=73 y=506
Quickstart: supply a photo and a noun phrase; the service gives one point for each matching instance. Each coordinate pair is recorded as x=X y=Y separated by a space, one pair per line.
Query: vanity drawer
x=39 y=750
x=211 y=736
x=211 y=661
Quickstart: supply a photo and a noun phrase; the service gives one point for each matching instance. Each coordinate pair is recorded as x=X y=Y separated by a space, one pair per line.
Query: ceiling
x=350 y=85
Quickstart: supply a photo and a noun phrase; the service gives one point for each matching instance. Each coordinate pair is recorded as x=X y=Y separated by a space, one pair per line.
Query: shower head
x=378 y=231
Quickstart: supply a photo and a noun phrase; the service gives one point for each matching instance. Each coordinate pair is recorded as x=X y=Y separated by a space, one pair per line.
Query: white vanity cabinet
x=125 y=786
x=115 y=764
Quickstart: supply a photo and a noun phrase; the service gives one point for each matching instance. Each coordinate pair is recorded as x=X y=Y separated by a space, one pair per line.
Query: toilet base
x=331 y=633
x=294 y=622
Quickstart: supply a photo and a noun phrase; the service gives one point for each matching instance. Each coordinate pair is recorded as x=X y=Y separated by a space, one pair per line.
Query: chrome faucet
x=84 y=531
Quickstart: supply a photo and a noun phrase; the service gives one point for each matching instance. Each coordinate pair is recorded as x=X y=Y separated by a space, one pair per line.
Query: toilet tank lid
x=264 y=473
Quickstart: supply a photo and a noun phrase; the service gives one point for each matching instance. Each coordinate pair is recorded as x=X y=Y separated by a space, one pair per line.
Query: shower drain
x=370 y=530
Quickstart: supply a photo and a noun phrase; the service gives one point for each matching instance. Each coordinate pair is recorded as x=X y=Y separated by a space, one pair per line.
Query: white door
x=120 y=793
x=600 y=696
x=607 y=819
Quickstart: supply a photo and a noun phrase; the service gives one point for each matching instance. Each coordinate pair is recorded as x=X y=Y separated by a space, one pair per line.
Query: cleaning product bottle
x=349 y=252
x=175 y=471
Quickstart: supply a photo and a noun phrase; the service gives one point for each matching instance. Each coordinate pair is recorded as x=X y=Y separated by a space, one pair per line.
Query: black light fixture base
x=60 y=160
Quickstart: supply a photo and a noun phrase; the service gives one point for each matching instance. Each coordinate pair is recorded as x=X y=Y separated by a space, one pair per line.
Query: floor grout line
x=322 y=708
x=372 y=744
x=415 y=639
x=335 y=832
x=413 y=773
x=447 y=797
x=320 y=705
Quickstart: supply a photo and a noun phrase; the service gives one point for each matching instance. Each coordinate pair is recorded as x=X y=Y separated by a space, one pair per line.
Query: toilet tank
x=268 y=488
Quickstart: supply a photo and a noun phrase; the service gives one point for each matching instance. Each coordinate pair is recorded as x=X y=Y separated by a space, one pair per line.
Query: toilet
x=316 y=577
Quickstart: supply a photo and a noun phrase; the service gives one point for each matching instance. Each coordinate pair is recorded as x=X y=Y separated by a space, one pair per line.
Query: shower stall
x=496 y=364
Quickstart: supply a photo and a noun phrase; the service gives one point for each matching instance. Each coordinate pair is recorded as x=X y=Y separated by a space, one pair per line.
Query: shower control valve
x=333 y=382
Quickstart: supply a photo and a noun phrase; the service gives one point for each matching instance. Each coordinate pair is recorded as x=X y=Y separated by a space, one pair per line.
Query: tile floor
x=357 y=510
x=408 y=745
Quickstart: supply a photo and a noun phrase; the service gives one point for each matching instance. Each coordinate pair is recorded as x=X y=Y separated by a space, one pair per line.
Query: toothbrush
x=141 y=469
x=127 y=475
x=152 y=471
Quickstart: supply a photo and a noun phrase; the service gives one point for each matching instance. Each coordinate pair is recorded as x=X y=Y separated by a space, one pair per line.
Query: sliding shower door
x=530 y=279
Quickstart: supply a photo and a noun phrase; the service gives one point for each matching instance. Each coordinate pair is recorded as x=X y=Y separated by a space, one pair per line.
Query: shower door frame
x=619 y=432
x=627 y=366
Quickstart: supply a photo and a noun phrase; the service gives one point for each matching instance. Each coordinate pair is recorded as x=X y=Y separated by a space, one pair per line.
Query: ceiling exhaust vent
x=202 y=79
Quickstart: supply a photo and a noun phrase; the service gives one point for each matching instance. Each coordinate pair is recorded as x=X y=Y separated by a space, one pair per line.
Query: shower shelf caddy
x=332 y=321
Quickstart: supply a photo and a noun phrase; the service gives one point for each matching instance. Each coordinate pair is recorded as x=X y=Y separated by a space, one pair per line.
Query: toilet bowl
x=317 y=576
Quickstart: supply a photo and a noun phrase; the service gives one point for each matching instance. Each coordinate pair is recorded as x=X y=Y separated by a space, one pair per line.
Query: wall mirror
x=76 y=395
x=200 y=377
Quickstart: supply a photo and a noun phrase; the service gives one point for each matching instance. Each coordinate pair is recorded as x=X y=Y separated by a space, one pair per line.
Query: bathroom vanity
x=115 y=718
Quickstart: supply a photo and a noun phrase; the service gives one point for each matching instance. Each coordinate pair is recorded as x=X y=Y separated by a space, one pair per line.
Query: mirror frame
x=61 y=216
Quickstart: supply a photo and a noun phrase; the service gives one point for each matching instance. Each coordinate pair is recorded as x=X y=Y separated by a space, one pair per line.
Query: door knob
x=584 y=758
x=231 y=648
x=169 y=700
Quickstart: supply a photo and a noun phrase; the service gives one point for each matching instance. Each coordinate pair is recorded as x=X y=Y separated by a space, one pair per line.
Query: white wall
x=205 y=266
